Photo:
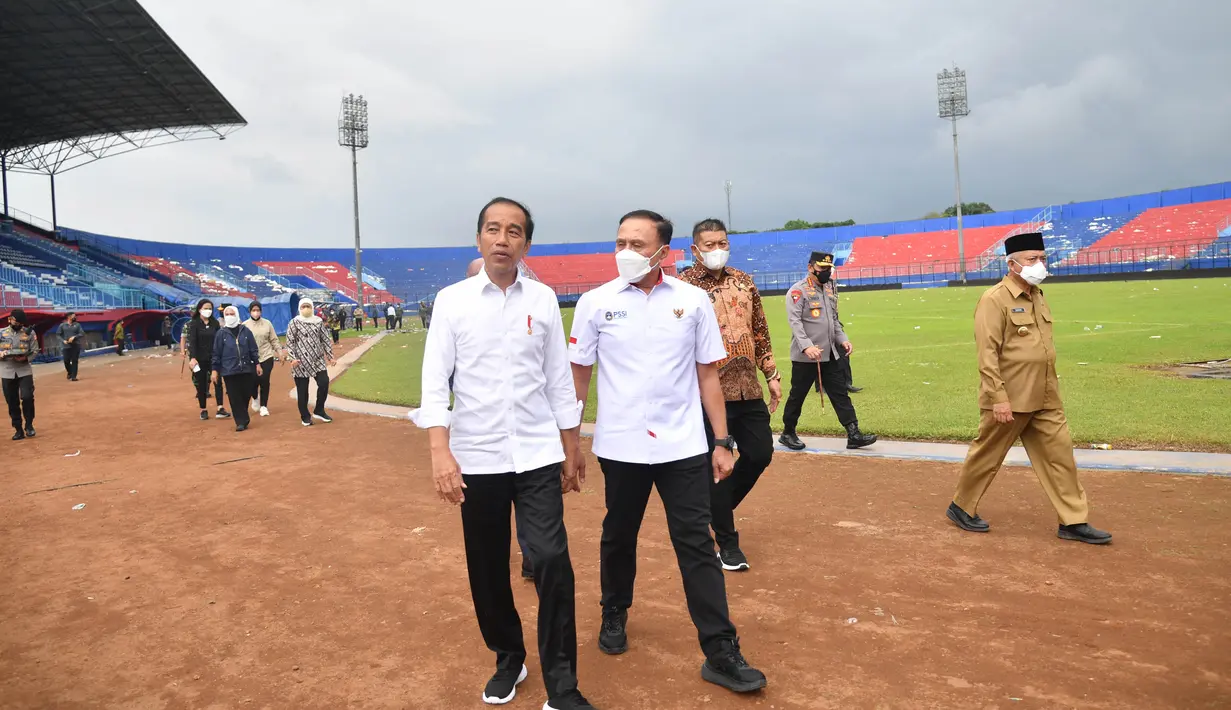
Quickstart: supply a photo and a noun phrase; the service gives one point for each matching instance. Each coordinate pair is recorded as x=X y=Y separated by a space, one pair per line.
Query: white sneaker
x=256 y=405
x=264 y=411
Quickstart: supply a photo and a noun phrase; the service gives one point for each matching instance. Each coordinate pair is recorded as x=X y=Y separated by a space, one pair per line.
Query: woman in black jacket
x=199 y=341
x=236 y=360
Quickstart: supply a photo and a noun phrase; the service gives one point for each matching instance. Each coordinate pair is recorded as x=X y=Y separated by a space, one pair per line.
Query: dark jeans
x=804 y=378
x=322 y=393
x=336 y=334
x=748 y=423
x=684 y=487
x=540 y=516
x=72 y=356
x=19 y=395
x=358 y=324
x=239 y=391
x=119 y=347
x=388 y=322
x=261 y=385
x=201 y=379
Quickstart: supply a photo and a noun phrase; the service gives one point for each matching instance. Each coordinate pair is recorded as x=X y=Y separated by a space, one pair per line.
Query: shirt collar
x=485 y=280
x=1014 y=287
x=660 y=282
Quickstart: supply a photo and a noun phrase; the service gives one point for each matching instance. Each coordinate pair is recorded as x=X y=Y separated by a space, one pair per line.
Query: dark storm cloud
x=588 y=109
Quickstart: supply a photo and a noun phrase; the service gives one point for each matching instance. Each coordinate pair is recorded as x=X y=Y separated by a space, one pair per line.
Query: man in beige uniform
x=1019 y=395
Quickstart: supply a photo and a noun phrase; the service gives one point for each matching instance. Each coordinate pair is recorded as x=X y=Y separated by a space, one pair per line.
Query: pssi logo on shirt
x=616 y=315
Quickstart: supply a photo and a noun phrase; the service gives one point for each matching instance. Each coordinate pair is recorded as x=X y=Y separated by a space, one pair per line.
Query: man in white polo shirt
x=657 y=342
x=514 y=420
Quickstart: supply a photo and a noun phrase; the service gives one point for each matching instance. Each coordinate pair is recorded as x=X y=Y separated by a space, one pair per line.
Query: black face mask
x=822 y=276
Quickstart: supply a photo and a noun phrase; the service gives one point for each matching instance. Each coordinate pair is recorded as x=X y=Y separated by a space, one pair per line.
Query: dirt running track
x=325 y=574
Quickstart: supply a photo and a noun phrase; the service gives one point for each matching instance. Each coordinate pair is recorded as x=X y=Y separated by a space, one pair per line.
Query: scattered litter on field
x=131 y=492
x=79 y=506
x=1015 y=699
x=927 y=383
x=1087 y=329
x=1155 y=337
x=878 y=611
x=1098 y=327
x=852 y=620
x=1083 y=363
x=419 y=530
x=1101 y=447
x=75 y=453
x=917 y=327
x=1156 y=288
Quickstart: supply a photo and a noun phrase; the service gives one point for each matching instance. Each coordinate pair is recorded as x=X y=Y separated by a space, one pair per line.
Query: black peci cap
x=1030 y=241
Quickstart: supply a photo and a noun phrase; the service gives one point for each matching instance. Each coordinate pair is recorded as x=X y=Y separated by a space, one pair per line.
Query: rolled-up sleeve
x=439 y=359
x=583 y=340
x=565 y=406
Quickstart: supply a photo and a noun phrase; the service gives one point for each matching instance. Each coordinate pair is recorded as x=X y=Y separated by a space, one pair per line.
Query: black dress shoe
x=791 y=441
x=527 y=572
x=856 y=439
x=29 y=431
x=727 y=667
x=971 y=523
x=1084 y=532
x=852 y=389
x=19 y=435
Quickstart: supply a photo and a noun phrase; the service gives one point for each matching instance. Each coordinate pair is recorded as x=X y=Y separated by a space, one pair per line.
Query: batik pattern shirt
x=745 y=332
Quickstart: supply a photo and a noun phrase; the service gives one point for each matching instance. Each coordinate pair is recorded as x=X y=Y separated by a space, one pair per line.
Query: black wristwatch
x=727 y=443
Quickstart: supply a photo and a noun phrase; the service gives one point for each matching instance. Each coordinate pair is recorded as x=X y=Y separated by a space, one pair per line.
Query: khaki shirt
x=813 y=318
x=1017 y=358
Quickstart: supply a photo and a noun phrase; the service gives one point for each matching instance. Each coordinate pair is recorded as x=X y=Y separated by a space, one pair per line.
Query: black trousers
x=239 y=391
x=322 y=393
x=846 y=368
x=388 y=322
x=260 y=386
x=748 y=423
x=358 y=324
x=72 y=356
x=119 y=347
x=336 y=334
x=19 y=395
x=684 y=487
x=201 y=379
x=833 y=381
x=540 y=518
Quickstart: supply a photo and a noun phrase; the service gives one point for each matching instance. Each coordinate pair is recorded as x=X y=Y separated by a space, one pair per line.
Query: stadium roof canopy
x=84 y=79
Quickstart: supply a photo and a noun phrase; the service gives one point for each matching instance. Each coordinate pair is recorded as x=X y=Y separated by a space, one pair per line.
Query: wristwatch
x=727 y=443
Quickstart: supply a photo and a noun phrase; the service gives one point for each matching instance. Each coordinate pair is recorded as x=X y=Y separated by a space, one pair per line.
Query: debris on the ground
x=1098 y=327
x=1101 y=447
x=75 y=453
x=131 y=492
x=1155 y=337
x=419 y=529
x=79 y=506
x=852 y=620
x=917 y=327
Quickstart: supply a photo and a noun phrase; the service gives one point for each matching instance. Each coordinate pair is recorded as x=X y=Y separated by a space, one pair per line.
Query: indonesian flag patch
x=795 y=296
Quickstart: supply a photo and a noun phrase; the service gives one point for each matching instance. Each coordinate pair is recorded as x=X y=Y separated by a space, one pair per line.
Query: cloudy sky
x=586 y=109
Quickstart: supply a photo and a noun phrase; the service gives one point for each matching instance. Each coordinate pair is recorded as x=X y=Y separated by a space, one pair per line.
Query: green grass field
x=914 y=355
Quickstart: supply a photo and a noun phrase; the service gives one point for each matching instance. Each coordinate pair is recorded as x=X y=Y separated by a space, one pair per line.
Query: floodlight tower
x=951 y=91
x=353 y=134
x=727 y=186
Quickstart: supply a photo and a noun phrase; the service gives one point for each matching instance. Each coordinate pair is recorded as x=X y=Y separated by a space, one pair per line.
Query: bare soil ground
x=325 y=574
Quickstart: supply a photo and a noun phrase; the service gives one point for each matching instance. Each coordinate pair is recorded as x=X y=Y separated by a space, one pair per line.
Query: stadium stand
x=1173 y=232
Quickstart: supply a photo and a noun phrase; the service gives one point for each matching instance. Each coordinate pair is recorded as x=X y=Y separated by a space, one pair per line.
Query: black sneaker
x=733 y=559
x=612 y=637
x=322 y=416
x=30 y=435
x=306 y=421
x=792 y=442
x=204 y=415
x=503 y=686
x=241 y=427
x=728 y=668
x=572 y=700
x=1082 y=532
x=970 y=523
x=222 y=414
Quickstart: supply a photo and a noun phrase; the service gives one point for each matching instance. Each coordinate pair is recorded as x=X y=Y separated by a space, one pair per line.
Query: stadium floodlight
x=951 y=92
x=353 y=134
x=727 y=186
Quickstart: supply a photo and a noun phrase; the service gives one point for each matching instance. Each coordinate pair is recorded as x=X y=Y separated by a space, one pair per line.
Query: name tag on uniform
x=1019 y=310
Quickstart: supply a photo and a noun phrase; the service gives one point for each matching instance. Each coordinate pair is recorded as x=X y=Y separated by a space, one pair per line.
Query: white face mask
x=715 y=260
x=1035 y=273
x=206 y=313
x=230 y=321
x=633 y=266
x=256 y=315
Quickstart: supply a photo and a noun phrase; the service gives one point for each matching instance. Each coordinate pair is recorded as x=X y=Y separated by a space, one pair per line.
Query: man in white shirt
x=515 y=420
x=658 y=344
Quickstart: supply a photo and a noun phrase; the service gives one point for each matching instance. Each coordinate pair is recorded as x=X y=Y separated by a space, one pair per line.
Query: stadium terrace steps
x=898 y=253
x=565 y=270
x=329 y=274
x=1174 y=232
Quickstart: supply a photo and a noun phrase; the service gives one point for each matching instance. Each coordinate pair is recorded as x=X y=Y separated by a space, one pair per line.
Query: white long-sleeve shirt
x=512 y=384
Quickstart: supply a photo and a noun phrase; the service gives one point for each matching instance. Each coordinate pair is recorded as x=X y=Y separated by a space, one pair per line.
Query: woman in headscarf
x=236 y=360
x=268 y=345
x=311 y=353
x=199 y=344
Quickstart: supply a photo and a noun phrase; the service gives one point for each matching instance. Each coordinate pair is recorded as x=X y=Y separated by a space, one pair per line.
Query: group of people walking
x=239 y=357
x=678 y=393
